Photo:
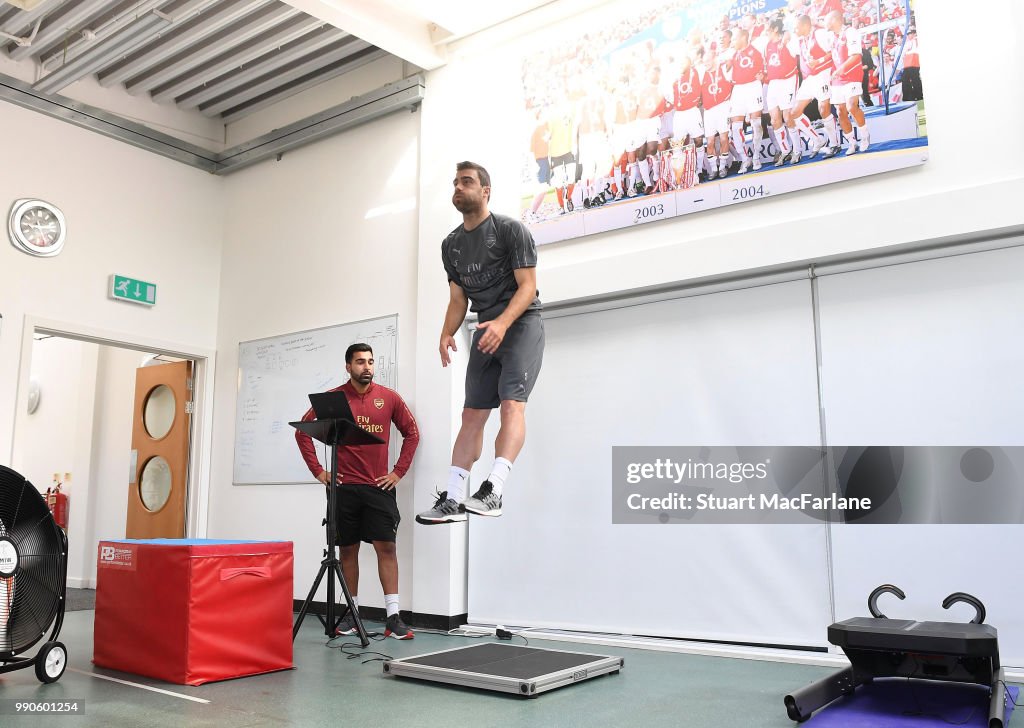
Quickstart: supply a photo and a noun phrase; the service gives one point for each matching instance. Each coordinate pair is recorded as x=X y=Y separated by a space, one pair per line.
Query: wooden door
x=160 y=446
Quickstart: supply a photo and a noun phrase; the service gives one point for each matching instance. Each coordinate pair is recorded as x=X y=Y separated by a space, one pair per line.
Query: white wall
x=308 y=245
x=128 y=211
x=57 y=438
x=471 y=111
x=952 y=193
x=46 y=438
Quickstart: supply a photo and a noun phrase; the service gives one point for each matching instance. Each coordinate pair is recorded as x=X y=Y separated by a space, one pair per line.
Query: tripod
x=333 y=432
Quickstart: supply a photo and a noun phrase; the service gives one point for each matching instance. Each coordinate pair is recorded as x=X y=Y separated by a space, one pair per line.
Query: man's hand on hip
x=389 y=481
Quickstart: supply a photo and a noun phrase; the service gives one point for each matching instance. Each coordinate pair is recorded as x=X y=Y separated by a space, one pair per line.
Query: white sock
x=499 y=472
x=804 y=125
x=457 y=479
x=755 y=147
x=831 y=131
x=738 y=139
x=391 y=603
x=783 y=136
x=645 y=171
x=355 y=601
x=862 y=133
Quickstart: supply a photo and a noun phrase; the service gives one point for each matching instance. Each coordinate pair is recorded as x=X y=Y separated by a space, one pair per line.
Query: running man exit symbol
x=123 y=288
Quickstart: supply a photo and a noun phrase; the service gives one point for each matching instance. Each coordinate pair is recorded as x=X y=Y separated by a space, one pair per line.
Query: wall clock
x=36 y=227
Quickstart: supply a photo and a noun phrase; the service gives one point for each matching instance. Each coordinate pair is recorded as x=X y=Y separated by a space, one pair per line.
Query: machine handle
x=973 y=601
x=884 y=589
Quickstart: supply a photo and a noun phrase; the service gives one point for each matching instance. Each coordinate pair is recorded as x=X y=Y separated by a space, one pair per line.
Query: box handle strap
x=263 y=572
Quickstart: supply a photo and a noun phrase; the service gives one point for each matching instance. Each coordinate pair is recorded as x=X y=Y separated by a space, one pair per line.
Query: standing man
x=491 y=262
x=747 y=99
x=816 y=57
x=846 y=84
x=367 y=509
x=780 y=57
x=912 y=90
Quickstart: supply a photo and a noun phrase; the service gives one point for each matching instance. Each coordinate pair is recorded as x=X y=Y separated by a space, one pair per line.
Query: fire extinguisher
x=57 y=502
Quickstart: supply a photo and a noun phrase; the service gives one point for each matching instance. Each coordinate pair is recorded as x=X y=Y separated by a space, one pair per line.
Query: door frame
x=197 y=498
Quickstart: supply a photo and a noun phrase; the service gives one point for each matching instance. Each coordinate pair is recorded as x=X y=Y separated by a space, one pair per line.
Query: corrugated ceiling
x=224 y=59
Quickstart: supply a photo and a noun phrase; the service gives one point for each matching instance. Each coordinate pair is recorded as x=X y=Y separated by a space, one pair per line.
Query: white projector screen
x=928 y=353
x=735 y=368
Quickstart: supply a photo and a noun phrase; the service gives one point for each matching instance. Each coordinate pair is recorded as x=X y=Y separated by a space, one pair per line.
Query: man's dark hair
x=778 y=26
x=485 y=179
x=355 y=349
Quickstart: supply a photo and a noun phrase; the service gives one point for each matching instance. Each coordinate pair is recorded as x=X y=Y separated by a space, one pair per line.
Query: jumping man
x=491 y=262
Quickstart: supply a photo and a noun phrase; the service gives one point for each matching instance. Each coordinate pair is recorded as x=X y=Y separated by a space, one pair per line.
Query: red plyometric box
x=192 y=611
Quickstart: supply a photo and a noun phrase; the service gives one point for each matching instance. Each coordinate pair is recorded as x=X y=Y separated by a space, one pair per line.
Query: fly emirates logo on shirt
x=364 y=422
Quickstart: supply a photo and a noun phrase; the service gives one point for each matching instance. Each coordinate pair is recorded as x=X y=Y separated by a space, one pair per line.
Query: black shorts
x=366 y=513
x=511 y=371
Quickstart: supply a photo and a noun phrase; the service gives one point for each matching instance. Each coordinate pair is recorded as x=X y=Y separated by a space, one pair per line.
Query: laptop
x=331 y=406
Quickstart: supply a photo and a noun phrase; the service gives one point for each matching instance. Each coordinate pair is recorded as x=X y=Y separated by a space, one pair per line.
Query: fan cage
x=33 y=596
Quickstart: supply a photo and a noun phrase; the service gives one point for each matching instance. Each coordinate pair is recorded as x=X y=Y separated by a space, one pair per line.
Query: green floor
x=326 y=689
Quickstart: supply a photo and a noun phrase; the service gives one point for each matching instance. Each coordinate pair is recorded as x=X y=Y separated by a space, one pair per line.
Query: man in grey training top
x=491 y=262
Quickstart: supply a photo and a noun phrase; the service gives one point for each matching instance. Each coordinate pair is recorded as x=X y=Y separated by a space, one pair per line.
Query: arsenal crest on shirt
x=378 y=403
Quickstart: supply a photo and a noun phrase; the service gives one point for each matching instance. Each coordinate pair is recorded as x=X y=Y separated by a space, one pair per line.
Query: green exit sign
x=123 y=288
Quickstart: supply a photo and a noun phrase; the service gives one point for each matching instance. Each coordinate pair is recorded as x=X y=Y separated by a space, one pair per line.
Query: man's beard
x=466 y=206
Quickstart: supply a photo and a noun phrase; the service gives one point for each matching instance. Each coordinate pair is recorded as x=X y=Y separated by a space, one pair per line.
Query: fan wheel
x=51 y=662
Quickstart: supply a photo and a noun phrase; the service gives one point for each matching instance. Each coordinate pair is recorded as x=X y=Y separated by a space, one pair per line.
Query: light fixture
x=104 y=52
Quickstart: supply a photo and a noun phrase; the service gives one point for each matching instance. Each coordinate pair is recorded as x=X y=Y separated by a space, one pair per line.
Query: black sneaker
x=347 y=625
x=444 y=510
x=485 y=502
x=398 y=629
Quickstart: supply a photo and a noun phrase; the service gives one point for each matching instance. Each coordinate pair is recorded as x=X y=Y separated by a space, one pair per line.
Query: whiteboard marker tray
x=526 y=671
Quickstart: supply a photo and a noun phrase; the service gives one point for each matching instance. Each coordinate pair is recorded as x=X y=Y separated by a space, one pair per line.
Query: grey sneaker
x=444 y=510
x=398 y=629
x=347 y=625
x=485 y=502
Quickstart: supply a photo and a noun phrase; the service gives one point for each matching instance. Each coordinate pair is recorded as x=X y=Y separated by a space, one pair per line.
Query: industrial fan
x=33 y=572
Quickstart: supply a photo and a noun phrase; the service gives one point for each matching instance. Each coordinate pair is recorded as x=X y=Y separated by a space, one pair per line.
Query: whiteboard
x=276 y=374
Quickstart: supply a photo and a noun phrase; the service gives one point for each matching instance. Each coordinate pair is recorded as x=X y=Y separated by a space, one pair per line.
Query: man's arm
x=458 y=304
x=308 y=450
x=494 y=331
x=401 y=415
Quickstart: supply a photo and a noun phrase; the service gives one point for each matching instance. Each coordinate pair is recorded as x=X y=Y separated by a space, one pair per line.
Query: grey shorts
x=511 y=371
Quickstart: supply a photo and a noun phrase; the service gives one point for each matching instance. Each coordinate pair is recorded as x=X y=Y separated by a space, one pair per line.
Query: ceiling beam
x=192 y=30
x=289 y=31
x=398 y=34
x=253 y=25
x=322 y=37
x=102 y=53
x=57 y=30
x=285 y=78
x=313 y=79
